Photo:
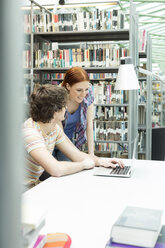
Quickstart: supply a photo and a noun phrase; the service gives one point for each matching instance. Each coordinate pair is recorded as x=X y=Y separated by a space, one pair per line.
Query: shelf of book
x=88 y=69
x=142 y=55
x=111 y=141
x=142 y=78
x=111 y=105
x=95 y=58
x=158 y=103
x=79 y=36
x=142 y=127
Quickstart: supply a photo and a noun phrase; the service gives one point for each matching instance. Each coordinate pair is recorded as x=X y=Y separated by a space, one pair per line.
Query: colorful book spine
x=79 y=21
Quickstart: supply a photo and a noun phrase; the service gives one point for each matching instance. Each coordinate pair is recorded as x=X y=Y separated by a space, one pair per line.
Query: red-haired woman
x=78 y=124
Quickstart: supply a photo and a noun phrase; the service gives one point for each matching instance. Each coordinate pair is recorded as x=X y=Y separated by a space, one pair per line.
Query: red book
x=60 y=240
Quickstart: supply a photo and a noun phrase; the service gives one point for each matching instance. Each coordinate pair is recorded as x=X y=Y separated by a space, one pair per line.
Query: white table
x=86 y=206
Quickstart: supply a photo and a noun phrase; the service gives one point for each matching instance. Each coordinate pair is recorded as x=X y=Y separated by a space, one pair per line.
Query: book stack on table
x=138 y=227
x=33 y=220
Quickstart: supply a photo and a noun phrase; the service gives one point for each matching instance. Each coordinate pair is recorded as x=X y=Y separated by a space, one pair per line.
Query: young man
x=41 y=133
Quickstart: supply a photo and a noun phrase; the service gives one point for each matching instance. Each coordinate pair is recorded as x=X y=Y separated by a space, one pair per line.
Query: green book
x=160 y=243
x=137 y=226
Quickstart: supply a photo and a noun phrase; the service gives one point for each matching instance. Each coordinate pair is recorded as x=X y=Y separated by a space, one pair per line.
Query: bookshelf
x=163 y=105
x=145 y=105
x=158 y=103
x=128 y=109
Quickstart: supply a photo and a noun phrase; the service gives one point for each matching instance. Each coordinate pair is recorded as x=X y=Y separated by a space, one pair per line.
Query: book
x=160 y=243
x=32 y=217
x=60 y=240
x=137 y=226
x=33 y=234
x=37 y=242
x=76 y=21
x=40 y=241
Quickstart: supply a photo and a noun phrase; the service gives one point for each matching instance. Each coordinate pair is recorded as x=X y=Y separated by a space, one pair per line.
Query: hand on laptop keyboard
x=111 y=162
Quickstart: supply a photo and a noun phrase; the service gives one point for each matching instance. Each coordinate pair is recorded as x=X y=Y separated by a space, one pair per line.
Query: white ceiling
x=45 y=2
x=152 y=18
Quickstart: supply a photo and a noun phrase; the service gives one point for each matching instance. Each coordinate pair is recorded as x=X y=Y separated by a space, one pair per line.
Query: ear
x=67 y=86
x=54 y=115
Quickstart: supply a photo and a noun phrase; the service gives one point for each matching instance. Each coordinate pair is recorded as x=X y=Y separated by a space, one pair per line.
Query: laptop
x=117 y=171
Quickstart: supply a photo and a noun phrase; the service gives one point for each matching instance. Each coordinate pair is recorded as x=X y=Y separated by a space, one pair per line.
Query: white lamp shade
x=127 y=78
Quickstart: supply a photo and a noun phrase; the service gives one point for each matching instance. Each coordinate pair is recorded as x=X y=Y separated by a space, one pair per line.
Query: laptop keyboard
x=120 y=171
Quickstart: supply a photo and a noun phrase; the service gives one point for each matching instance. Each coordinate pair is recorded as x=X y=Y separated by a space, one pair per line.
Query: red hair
x=75 y=75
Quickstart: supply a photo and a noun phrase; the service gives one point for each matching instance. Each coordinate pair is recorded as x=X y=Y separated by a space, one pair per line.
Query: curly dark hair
x=46 y=100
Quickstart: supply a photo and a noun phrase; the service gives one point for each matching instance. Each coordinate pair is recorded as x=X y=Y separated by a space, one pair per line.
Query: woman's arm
x=73 y=153
x=105 y=162
x=89 y=130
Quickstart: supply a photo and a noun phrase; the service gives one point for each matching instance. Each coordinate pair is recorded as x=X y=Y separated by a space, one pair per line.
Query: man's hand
x=88 y=163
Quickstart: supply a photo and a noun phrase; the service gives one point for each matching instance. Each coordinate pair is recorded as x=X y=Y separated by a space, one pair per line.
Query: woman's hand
x=110 y=162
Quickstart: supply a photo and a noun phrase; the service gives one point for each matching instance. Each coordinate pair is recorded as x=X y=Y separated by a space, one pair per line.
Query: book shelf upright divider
x=149 y=100
x=31 y=48
x=147 y=110
x=133 y=94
